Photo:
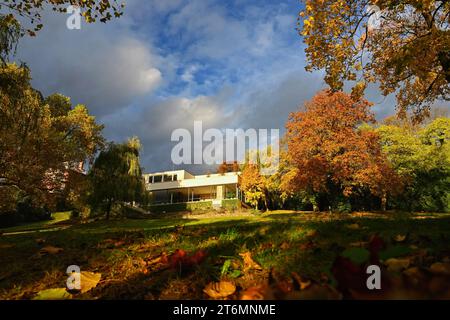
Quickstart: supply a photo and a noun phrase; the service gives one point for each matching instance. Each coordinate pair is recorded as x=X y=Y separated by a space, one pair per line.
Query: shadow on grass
x=286 y=242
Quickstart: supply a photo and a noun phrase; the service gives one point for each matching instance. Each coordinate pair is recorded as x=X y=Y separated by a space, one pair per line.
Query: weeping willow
x=10 y=34
x=132 y=156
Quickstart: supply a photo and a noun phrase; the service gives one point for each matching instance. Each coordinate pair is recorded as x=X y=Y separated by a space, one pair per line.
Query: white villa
x=181 y=186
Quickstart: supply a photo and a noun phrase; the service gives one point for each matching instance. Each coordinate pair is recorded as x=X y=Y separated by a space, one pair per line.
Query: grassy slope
x=57 y=218
x=287 y=241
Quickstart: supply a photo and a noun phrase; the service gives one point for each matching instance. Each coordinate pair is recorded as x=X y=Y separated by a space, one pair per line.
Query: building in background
x=180 y=186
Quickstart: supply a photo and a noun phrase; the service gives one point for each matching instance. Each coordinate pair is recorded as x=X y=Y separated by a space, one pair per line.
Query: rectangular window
x=157 y=179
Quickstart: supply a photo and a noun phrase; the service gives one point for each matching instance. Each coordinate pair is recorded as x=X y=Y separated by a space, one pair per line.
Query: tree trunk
x=383 y=201
x=444 y=59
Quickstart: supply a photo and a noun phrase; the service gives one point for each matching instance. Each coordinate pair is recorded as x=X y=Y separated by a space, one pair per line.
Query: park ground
x=279 y=254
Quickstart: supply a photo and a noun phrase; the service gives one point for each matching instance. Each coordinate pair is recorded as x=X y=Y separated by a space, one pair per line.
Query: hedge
x=187 y=206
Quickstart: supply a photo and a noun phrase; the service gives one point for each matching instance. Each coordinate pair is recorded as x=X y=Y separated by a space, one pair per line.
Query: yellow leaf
x=400 y=238
x=353 y=226
x=218 y=290
x=89 y=280
x=249 y=263
x=303 y=283
x=53 y=294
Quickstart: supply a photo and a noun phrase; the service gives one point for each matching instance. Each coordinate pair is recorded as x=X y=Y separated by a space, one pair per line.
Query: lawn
x=274 y=255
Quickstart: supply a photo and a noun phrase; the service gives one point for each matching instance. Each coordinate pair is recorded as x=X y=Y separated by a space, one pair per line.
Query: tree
x=262 y=188
x=31 y=10
x=225 y=167
x=9 y=36
x=116 y=176
x=421 y=156
x=404 y=47
x=253 y=185
x=333 y=153
x=40 y=139
x=16 y=13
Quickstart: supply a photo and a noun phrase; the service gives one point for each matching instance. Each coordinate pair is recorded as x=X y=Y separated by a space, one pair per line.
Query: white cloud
x=104 y=67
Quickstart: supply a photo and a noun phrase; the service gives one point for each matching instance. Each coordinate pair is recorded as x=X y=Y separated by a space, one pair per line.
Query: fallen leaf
x=218 y=290
x=359 y=244
x=181 y=260
x=400 y=238
x=249 y=263
x=440 y=268
x=119 y=243
x=302 y=283
x=285 y=245
x=89 y=280
x=397 y=264
x=40 y=241
x=414 y=276
x=53 y=294
x=161 y=258
x=306 y=246
x=354 y=226
x=50 y=250
x=312 y=233
x=140 y=262
x=254 y=293
x=263 y=231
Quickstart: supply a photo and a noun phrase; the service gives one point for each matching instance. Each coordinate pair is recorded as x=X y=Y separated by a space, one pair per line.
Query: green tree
x=420 y=154
x=402 y=45
x=40 y=139
x=116 y=176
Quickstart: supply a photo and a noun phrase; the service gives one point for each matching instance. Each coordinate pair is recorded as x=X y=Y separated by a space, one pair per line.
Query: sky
x=165 y=64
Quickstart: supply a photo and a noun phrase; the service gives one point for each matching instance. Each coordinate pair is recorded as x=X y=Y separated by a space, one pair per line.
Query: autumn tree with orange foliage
x=402 y=46
x=335 y=152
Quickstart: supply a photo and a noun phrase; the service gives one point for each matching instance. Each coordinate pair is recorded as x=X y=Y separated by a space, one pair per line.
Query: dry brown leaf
x=400 y=238
x=254 y=293
x=397 y=264
x=306 y=246
x=40 y=241
x=219 y=290
x=302 y=283
x=50 y=250
x=119 y=243
x=414 y=276
x=440 y=268
x=249 y=263
x=360 y=244
x=285 y=245
x=312 y=233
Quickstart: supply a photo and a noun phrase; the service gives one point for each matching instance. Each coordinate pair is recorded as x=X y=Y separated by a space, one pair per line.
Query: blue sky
x=165 y=64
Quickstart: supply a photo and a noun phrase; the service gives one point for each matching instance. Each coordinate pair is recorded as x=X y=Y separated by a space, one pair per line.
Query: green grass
x=284 y=240
x=57 y=218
